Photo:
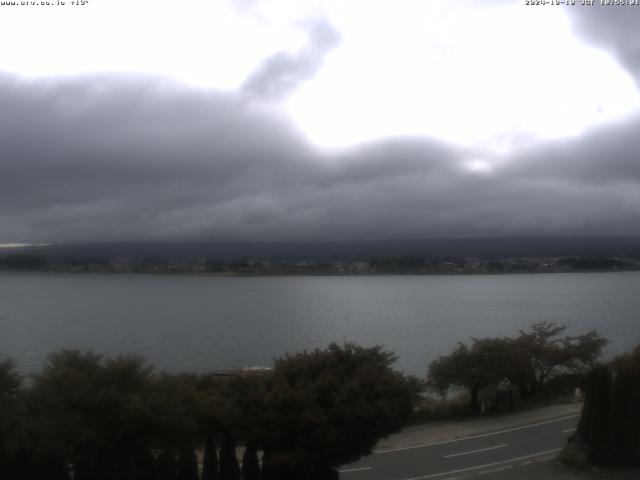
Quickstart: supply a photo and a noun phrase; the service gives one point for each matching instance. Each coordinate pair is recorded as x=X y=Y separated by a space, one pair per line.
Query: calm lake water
x=200 y=323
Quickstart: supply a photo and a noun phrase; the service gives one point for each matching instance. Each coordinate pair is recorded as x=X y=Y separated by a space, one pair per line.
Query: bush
x=574 y=457
x=431 y=409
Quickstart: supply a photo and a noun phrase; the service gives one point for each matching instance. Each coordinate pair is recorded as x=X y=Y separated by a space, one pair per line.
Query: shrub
x=573 y=456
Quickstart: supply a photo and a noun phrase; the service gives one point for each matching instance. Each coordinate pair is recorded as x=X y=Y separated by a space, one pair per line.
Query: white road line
x=476 y=451
x=495 y=470
x=569 y=430
x=354 y=469
x=478 y=467
x=471 y=437
x=545 y=459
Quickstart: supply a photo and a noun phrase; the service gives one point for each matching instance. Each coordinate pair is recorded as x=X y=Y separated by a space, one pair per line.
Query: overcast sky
x=312 y=120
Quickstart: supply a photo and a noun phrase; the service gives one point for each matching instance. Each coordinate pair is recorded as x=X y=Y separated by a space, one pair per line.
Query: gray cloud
x=614 y=28
x=280 y=74
x=117 y=158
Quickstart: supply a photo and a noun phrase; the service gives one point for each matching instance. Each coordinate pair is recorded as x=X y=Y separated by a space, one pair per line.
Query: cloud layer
x=120 y=158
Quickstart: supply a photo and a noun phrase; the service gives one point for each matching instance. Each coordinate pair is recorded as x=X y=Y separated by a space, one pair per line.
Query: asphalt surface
x=491 y=455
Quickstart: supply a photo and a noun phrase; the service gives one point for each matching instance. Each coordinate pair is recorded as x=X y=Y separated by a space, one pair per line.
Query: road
x=483 y=455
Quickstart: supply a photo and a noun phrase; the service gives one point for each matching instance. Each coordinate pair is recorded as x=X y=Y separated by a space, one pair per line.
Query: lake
x=200 y=323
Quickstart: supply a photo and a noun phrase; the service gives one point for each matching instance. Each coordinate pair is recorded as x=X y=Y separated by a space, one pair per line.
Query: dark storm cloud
x=604 y=156
x=113 y=158
x=611 y=27
x=280 y=74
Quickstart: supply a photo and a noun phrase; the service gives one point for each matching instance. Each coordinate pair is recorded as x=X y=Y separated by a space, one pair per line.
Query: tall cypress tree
x=632 y=435
x=268 y=470
x=229 y=468
x=599 y=422
x=621 y=392
x=586 y=418
x=167 y=467
x=210 y=460
x=187 y=465
x=250 y=464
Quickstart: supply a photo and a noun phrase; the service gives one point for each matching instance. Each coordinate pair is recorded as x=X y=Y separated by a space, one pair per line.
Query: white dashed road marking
x=476 y=451
x=495 y=470
x=488 y=465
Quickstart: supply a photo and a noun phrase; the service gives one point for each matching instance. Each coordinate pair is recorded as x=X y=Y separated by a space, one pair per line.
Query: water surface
x=200 y=323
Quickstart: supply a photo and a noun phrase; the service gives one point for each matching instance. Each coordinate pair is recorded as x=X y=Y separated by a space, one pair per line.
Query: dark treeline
x=609 y=428
x=317 y=266
x=536 y=363
x=92 y=418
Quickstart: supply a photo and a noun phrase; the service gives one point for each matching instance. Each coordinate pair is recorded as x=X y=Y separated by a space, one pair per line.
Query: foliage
x=93 y=412
x=21 y=261
x=229 y=468
x=210 y=459
x=527 y=362
x=118 y=419
x=250 y=463
x=431 y=409
x=594 y=263
x=610 y=421
x=329 y=407
x=10 y=414
x=543 y=353
x=572 y=456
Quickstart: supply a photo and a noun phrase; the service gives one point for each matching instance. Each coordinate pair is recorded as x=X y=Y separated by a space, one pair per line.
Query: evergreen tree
x=11 y=417
x=586 y=418
x=187 y=464
x=599 y=420
x=632 y=437
x=210 y=460
x=229 y=468
x=621 y=393
x=268 y=470
x=250 y=463
x=167 y=466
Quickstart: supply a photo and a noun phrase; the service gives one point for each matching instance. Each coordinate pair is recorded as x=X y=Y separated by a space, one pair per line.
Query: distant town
x=370 y=266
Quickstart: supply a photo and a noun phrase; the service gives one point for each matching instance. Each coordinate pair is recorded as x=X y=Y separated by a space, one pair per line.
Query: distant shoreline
x=309 y=274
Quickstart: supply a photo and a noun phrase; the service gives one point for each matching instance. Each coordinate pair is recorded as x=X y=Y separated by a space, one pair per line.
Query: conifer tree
x=250 y=464
x=210 y=460
x=229 y=468
x=621 y=392
x=599 y=418
x=187 y=464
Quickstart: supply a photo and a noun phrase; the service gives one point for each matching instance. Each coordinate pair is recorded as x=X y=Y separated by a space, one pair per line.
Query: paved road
x=484 y=455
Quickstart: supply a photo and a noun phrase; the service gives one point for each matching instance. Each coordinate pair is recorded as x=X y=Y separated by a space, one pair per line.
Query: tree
x=93 y=413
x=486 y=363
x=250 y=463
x=187 y=464
x=229 y=468
x=541 y=353
x=609 y=427
x=242 y=412
x=329 y=407
x=210 y=460
x=527 y=361
x=11 y=419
